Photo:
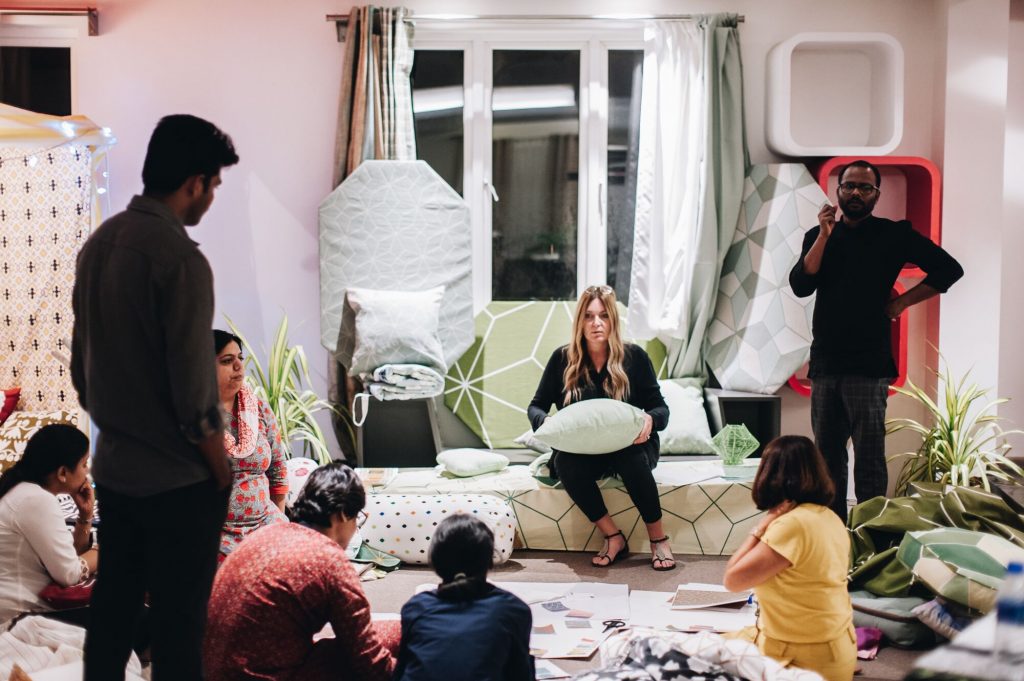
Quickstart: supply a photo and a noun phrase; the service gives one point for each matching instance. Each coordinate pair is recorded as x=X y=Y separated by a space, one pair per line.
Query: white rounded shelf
x=835 y=94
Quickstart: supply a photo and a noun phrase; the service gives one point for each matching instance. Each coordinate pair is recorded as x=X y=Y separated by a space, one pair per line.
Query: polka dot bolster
x=403 y=524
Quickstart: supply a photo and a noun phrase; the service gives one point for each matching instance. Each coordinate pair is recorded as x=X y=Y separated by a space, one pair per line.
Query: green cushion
x=894 y=616
x=592 y=427
x=465 y=463
x=962 y=566
x=491 y=385
x=688 y=431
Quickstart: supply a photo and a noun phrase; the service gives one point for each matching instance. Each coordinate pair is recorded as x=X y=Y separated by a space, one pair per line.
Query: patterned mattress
x=704 y=514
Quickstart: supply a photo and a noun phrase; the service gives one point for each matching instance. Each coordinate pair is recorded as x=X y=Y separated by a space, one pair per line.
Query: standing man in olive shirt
x=143 y=367
x=853 y=263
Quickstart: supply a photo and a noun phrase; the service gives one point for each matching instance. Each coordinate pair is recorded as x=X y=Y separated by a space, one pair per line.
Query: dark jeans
x=579 y=474
x=845 y=407
x=165 y=546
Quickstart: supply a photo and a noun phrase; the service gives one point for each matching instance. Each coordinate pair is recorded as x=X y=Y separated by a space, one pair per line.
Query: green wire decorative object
x=734 y=443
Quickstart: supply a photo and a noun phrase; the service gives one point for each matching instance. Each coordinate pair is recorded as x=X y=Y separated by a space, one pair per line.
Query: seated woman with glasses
x=796 y=560
x=281 y=585
x=597 y=364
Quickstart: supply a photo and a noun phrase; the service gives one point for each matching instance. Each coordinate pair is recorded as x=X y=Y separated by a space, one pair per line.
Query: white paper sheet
x=654 y=609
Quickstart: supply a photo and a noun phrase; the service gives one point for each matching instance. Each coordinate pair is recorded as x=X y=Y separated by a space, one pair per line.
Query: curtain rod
x=343 y=18
x=91 y=12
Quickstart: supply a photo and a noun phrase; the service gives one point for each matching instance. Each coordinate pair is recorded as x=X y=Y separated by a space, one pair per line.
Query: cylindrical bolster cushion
x=402 y=524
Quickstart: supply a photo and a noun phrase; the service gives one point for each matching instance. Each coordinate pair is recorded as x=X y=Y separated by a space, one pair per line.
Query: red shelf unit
x=923 y=192
x=900 y=329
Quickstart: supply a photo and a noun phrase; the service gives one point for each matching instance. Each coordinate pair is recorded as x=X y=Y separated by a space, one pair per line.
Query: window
x=538 y=129
x=36 y=78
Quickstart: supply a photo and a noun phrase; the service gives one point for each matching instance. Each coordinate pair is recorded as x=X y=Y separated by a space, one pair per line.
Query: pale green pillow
x=530 y=442
x=688 y=431
x=465 y=463
x=598 y=426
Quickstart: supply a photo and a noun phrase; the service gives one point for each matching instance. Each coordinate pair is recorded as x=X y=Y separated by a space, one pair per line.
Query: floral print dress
x=255 y=478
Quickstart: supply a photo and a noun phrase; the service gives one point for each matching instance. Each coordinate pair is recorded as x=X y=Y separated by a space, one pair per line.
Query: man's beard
x=857 y=211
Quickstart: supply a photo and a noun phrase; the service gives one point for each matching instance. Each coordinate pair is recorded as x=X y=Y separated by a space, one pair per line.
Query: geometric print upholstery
x=395 y=226
x=45 y=217
x=711 y=517
x=490 y=386
x=761 y=332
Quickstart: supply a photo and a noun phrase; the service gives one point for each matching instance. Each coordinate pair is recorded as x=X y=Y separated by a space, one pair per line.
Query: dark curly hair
x=330 y=489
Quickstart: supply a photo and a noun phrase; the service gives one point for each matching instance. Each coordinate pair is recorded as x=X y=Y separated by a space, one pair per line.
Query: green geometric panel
x=491 y=385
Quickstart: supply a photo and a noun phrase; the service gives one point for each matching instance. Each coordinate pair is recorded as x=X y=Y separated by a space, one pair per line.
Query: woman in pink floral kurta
x=254 y=450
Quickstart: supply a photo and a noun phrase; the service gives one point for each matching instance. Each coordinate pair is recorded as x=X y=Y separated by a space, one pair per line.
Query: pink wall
x=267 y=72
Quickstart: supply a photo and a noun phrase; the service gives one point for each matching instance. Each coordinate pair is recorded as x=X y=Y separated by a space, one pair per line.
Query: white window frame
x=47 y=31
x=478 y=40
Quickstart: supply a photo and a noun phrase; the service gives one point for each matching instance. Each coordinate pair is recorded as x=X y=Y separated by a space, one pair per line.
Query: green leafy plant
x=963 y=445
x=280 y=384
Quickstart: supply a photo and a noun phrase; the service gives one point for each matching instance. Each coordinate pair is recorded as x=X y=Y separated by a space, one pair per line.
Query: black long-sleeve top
x=858 y=269
x=644 y=392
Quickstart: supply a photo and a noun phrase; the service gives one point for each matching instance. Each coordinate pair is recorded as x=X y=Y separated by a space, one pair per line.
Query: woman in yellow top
x=796 y=560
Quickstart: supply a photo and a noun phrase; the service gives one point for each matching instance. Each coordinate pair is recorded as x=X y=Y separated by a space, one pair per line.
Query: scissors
x=612 y=624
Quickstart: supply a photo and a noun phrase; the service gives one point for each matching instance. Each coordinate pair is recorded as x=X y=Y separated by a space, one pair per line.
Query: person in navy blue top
x=467 y=629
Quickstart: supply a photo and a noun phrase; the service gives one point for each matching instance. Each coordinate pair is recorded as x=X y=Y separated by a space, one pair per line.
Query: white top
x=36 y=548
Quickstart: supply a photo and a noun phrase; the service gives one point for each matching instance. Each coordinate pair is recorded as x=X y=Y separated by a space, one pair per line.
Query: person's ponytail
x=463 y=588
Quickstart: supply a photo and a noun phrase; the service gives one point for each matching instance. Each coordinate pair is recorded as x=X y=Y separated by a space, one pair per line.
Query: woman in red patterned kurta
x=254 y=450
x=285 y=582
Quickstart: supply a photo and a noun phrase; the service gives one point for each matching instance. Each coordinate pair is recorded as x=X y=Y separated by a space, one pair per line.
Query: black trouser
x=579 y=474
x=845 y=407
x=165 y=546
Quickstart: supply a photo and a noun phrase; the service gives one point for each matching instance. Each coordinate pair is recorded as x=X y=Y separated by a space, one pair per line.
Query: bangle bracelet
x=83 y=521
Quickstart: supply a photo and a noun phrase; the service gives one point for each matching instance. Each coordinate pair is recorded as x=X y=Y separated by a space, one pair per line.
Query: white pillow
x=466 y=463
x=395 y=327
x=688 y=431
x=598 y=426
x=530 y=442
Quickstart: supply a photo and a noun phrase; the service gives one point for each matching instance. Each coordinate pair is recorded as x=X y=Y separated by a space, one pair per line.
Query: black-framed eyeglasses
x=361 y=518
x=603 y=290
x=862 y=187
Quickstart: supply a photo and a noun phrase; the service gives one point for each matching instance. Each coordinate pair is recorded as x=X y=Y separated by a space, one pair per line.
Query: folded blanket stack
x=405 y=382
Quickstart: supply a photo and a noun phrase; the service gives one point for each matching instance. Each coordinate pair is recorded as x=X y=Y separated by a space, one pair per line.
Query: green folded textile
x=962 y=566
x=877 y=526
x=382 y=561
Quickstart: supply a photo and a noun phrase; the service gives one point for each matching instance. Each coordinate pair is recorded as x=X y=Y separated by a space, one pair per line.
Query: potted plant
x=963 y=444
x=280 y=385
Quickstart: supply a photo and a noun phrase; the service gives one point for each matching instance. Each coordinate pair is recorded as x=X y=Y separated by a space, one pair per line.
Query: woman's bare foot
x=615 y=546
x=661 y=555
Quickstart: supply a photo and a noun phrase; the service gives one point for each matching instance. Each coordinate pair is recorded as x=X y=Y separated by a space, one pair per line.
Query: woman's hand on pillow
x=645 y=432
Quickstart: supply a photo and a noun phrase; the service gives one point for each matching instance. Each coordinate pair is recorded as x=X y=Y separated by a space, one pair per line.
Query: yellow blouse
x=809 y=601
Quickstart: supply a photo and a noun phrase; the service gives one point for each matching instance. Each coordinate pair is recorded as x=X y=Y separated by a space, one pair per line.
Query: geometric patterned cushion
x=21 y=426
x=761 y=332
x=962 y=566
x=492 y=383
x=402 y=524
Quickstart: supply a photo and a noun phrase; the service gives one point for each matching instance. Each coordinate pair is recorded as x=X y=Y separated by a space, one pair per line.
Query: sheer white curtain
x=689 y=183
x=672 y=119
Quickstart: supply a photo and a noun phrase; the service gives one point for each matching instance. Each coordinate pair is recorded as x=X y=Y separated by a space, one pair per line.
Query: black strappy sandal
x=612 y=560
x=658 y=557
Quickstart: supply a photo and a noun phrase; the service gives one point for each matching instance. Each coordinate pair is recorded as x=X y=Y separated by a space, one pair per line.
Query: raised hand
x=84 y=500
x=827 y=219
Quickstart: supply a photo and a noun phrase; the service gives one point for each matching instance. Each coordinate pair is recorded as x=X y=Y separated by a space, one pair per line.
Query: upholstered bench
x=704 y=514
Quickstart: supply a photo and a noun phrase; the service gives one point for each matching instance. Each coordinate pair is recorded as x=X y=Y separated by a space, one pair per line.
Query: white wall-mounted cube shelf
x=835 y=94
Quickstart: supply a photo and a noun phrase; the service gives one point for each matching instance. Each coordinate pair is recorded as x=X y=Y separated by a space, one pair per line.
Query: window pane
x=625 y=76
x=37 y=79
x=437 y=82
x=535 y=170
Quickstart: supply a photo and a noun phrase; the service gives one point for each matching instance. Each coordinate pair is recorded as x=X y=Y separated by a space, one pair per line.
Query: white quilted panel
x=395 y=226
x=761 y=332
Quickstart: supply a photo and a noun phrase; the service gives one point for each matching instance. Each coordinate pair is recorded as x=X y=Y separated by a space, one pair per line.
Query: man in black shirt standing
x=143 y=365
x=853 y=263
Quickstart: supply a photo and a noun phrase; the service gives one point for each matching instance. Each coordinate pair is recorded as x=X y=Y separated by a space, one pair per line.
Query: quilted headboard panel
x=490 y=386
x=395 y=226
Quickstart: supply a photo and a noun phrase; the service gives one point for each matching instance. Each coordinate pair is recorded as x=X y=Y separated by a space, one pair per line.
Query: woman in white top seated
x=36 y=547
